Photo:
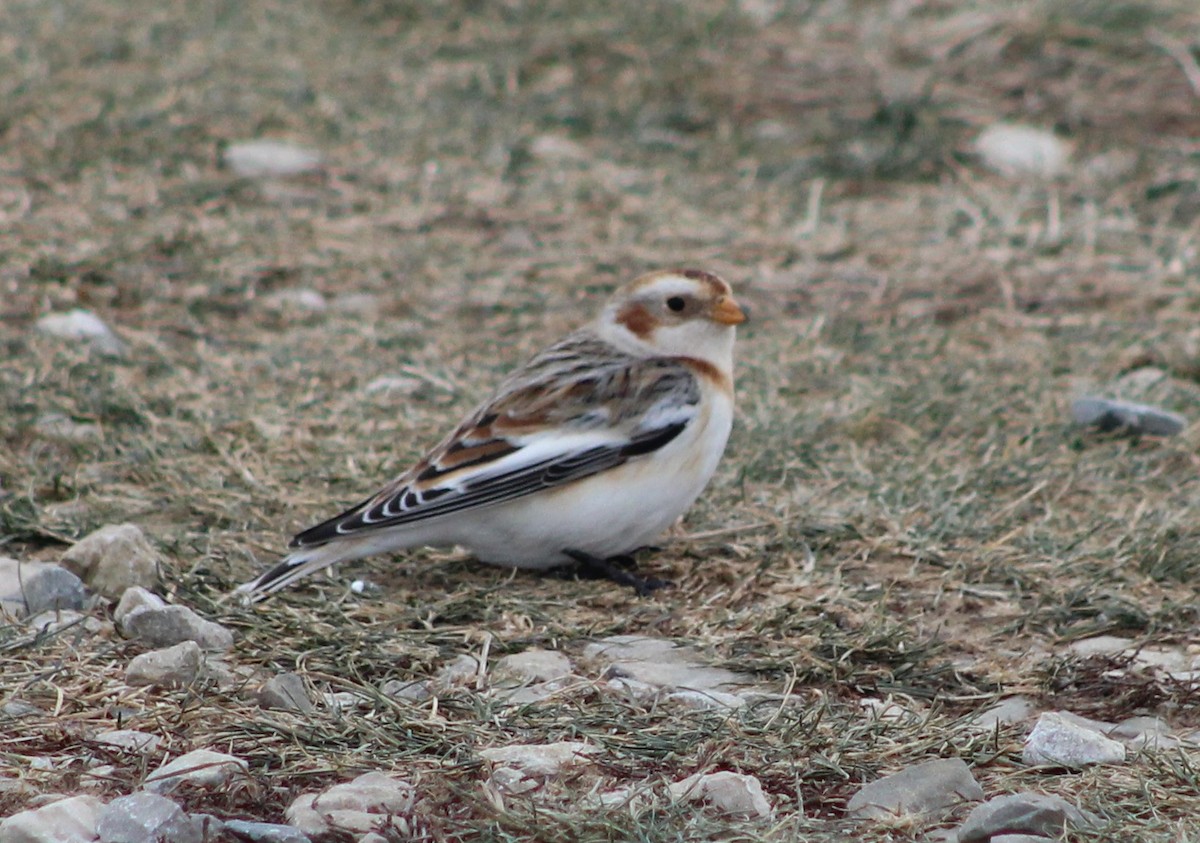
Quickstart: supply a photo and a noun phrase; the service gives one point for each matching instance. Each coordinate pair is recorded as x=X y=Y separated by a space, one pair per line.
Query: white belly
x=607 y=514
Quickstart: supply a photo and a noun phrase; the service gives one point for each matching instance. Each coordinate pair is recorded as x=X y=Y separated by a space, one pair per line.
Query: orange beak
x=727 y=312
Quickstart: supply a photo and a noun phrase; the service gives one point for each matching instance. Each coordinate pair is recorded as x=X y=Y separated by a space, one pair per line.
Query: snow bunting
x=585 y=454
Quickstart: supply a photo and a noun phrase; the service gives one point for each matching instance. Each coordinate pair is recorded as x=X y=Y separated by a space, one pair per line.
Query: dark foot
x=615 y=569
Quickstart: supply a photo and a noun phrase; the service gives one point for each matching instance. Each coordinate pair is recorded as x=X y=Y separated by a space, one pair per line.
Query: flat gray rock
x=285 y=692
x=265 y=832
x=1006 y=712
x=82 y=326
x=1024 y=813
x=114 y=558
x=924 y=788
x=268 y=158
x=166 y=626
x=1111 y=414
x=730 y=793
x=146 y=818
x=1061 y=740
x=659 y=663
x=30 y=588
x=129 y=740
x=170 y=667
x=200 y=767
x=71 y=820
x=355 y=808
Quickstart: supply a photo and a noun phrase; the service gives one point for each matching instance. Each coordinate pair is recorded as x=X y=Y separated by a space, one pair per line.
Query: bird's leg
x=616 y=569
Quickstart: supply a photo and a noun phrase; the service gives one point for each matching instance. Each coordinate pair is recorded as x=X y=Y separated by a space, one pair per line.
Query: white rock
x=256 y=832
x=1007 y=711
x=82 y=325
x=146 y=818
x=661 y=664
x=403 y=385
x=170 y=667
x=71 y=820
x=542 y=760
x=923 y=788
x=1061 y=742
x=113 y=559
x=707 y=700
x=1025 y=813
x=309 y=301
x=534 y=665
x=285 y=692
x=30 y=588
x=1022 y=151
x=133 y=599
x=254 y=159
x=61 y=427
x=463 y=670
x=1144 y=733
x=412 y=690
x=129 y=740
x=358 y=807
x=730 y=793
x=53 y=621
x=557 y=148
x=168 y=625
x=201 y=767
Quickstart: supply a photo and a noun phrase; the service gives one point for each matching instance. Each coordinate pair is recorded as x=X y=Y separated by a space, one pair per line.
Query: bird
x=580 y=457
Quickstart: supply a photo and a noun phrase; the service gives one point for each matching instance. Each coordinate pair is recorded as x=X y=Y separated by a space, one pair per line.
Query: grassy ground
x=903 y=510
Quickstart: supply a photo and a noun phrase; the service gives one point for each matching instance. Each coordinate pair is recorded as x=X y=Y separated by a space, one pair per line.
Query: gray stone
x=1061 y=741
x=285 y=692
x=17 y=709
x=170 y=667
x=114 y=558
x=533 y=665
x=357 y=807
x=462 y=671
x=658 y=663
x=146 y=818
x=84 y=326
x=29 y=588
x=201 y=767
x=1021 y=838
x=924 y=788
x=1024 y=813
x=297 y=299
x=52 y=589
x=133 y=599
x=522 y=767
x=169 y=625
x=129 y=740
x=265 y=832
x=1022 y=152
x=59 y=620
x=63 y=428
x=1004 y=713
x=70 y=820
x=1111 y=414
x=1144 y=733
x=730 y=793
x=267 y=158
x=412 y=690
x=542 y=760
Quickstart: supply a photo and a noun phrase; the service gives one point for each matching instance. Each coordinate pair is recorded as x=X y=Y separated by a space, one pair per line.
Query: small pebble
x=82 y=325
x=113 y=559
x=285 y=692
x=166 y=626
x=1060 y=741
x=730 y=793
x=170 y=667
x=201 y=767
x=1110 y=414
x=1022 y=151
x=264 y=158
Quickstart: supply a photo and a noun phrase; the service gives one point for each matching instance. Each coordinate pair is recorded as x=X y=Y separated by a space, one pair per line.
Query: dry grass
x=903 y=509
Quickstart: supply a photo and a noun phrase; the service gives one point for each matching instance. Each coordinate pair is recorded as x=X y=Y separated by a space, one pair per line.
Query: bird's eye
x=676 y=303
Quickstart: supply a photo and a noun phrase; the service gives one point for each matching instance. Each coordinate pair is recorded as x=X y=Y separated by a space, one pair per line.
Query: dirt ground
x=904 y=512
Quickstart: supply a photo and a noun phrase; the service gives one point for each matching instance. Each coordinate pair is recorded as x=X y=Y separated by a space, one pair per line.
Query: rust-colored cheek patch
x=638 y=320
